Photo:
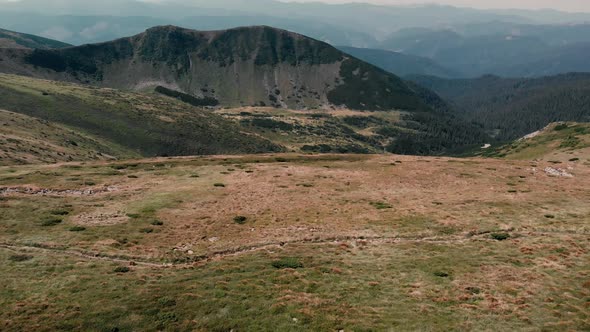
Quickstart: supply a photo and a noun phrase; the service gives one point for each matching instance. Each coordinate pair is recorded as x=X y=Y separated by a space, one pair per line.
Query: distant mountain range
x=399 y=63
x=529 y=51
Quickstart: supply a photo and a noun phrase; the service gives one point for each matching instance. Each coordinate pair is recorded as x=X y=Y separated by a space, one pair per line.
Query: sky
x=564 y=5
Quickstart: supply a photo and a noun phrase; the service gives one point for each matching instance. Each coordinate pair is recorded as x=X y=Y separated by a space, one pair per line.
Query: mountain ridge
x=242 y=66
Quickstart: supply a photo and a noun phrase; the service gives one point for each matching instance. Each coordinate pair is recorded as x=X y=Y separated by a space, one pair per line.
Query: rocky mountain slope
x=238 y=67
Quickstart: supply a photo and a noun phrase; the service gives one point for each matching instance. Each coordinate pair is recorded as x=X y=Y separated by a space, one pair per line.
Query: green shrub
x=122 y=269
x=500 y=236
x=60 y=212
x=240 y=220
x=561 y=126
x=549 y=216
x=166 y=302
x=441 y=274
x=51 y=222
x=157 y=223
x=147 y=230
x=287 y=263
x=77 y=229
x=20 y=258
x=221 y=185
x=281 y=159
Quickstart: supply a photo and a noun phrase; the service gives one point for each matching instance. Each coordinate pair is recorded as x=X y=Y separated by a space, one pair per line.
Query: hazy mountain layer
x=398 y=63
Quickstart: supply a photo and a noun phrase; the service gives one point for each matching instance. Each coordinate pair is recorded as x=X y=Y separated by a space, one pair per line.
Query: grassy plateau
x=291 y=242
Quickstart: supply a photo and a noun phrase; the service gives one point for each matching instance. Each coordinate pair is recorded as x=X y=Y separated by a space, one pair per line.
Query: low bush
x=157 y=223
x=20 y=258
x=287 y=263
x=240 y=220
x=77 y=229
x=60 y=212
x=122 y=269
x=51 y=222
x=441 y=274
x=500 y=236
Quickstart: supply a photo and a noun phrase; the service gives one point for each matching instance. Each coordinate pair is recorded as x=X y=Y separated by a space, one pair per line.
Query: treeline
x=435 y=134
x=207 y=101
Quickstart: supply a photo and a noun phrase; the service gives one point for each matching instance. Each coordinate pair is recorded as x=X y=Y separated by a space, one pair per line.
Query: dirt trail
x=55 y=192
x=202 y=259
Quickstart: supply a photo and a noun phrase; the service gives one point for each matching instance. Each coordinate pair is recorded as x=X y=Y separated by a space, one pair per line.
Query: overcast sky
x=566 y=5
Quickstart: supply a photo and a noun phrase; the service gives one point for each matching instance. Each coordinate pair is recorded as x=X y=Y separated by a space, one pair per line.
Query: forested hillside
x=512 y=108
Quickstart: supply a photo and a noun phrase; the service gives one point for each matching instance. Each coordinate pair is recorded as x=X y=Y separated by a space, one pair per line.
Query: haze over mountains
x=489 y=41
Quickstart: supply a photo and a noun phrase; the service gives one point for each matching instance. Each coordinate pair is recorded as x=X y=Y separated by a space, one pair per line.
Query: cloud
x=93 y=31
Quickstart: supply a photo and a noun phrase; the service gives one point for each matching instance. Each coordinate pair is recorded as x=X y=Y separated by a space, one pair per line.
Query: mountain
x=236 y=67
x=470 y=56
x=498 y=48
x=509 y=108
x=552 y=61
x=11 y=39
x=398 y=63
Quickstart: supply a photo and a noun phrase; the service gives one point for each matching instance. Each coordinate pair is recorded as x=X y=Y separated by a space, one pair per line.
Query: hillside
x=122 y=125
x=29 y=140
x=112 y=122
x=398 y=63
x=558 y=142
x=11 y=39
x=511 y=108
x=237 y=67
